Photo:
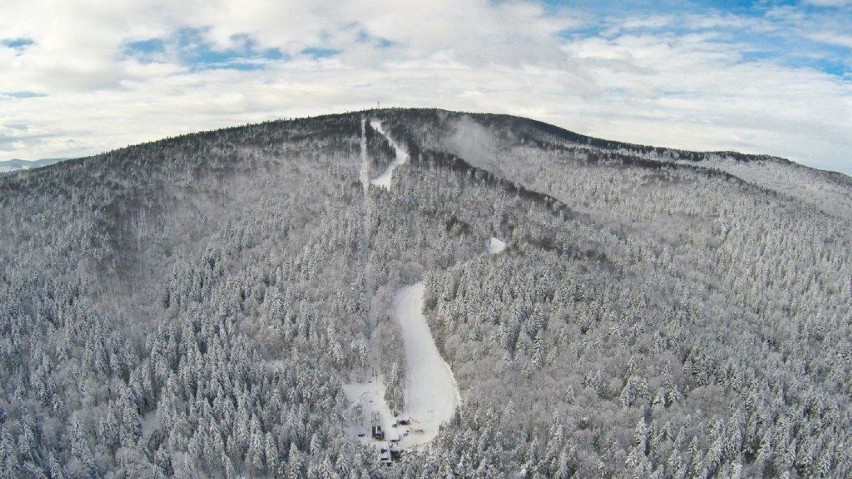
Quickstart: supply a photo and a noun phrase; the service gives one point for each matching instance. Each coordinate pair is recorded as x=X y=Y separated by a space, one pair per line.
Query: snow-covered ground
x=384 y=180
x=370 y=396
x=431 y=394
x=495 y=246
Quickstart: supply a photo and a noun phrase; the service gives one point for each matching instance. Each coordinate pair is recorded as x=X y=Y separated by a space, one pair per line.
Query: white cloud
x=640 y=80
x=830 y=3
x=841 y=39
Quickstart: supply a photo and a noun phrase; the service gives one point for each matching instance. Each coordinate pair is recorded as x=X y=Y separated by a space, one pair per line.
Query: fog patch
x=475 y=143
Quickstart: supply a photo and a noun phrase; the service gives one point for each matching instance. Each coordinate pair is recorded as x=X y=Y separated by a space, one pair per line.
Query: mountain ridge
x=219 y=304
x=651 y=156
x=579 y=138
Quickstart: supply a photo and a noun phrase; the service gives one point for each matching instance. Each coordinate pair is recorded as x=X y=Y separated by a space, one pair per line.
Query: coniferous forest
x=193 y=307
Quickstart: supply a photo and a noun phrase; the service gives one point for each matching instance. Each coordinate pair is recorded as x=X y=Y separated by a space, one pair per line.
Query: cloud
x=771 y=80
x=841 y=39
x=829 y=3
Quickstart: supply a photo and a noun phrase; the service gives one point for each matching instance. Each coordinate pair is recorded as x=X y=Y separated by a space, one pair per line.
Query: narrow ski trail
x=384 y=180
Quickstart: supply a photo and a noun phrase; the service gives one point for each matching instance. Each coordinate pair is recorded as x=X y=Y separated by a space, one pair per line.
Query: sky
x=78 y=77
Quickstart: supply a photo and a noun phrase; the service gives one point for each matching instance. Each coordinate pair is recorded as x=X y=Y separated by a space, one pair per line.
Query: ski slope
x=384 y=180
x=431 y=394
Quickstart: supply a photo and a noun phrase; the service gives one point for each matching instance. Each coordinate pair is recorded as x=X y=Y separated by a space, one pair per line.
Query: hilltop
x=509 y=298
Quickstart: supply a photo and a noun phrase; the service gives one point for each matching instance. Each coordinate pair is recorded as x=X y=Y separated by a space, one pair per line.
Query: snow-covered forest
x=198 y=306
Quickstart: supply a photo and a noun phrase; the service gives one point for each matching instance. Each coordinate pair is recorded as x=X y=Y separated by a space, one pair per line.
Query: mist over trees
x=192 y=307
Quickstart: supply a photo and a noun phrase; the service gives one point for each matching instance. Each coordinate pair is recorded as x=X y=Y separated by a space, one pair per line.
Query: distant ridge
x=18 y=164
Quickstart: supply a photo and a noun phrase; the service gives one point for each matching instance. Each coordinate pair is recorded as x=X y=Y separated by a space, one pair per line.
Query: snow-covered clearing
x=370 y=397
x=495 y=246
x=150 y=422
x=431 y=395
x=384 y=180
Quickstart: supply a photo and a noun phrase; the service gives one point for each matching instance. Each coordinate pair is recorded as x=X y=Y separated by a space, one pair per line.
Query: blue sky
x=762 y=77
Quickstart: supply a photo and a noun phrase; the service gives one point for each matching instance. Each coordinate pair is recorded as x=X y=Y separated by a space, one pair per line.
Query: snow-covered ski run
x=431 y=394
x=384 y=180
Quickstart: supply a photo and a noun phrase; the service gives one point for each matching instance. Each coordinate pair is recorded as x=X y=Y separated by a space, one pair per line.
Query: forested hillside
x=195 y=307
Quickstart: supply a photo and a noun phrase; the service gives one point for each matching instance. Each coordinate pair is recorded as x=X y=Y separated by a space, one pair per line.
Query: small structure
x=403 y=421
x=389 y=453
x=376 y=428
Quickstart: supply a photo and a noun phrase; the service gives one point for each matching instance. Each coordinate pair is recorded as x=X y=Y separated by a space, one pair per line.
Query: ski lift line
x=365 y=246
